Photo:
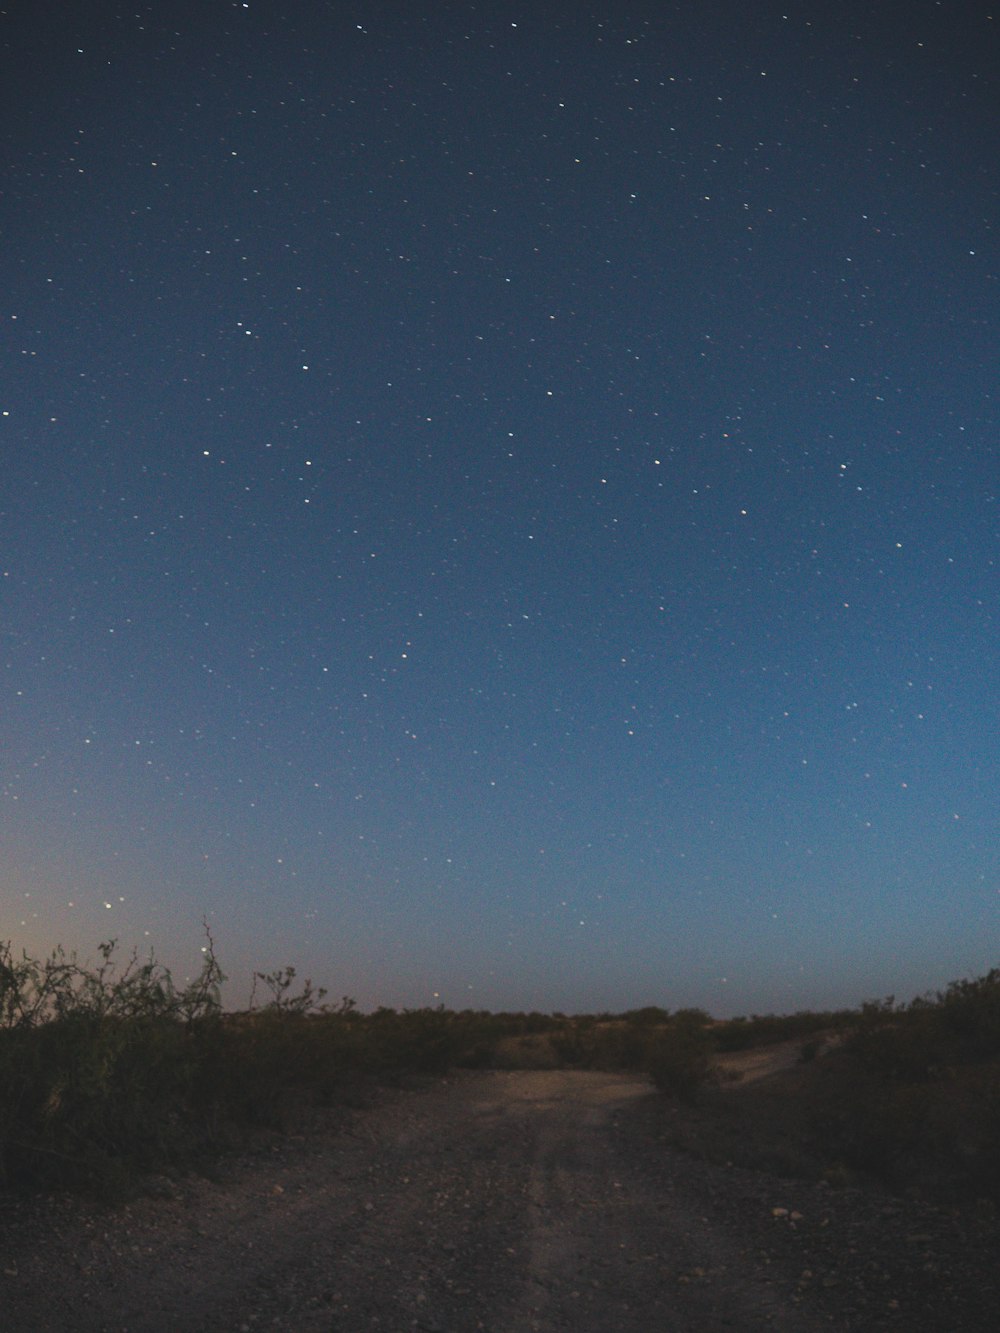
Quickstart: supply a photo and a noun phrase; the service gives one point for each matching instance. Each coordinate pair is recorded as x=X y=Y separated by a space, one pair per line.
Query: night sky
x=499 y=502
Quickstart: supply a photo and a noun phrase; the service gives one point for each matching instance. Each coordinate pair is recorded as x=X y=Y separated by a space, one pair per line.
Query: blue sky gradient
x=499 y=503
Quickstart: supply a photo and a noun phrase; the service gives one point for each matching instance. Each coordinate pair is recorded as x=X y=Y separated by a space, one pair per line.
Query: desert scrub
x=741 y=1034
x=97 y=1065
x=110 y=1071
x=924 y=1090
x=678 y=1060
x=107 y=1072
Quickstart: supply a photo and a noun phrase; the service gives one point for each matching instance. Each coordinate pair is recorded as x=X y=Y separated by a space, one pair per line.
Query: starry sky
x=499 y=501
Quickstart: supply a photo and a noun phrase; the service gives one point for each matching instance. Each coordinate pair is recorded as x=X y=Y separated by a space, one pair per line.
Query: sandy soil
x=514 y=1202
x=736 y=1067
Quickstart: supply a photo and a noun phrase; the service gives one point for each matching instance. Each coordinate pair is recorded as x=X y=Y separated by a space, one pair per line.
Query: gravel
x=505 y=1201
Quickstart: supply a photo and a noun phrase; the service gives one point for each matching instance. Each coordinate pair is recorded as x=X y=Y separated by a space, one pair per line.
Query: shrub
x=95 y=1065
x=678 y=1060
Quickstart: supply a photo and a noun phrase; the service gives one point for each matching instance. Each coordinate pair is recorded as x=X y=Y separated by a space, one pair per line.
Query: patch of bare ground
x=740 y=1067
x=512 y=1201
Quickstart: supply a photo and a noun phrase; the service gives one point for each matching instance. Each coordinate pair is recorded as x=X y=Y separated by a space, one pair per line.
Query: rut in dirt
x=517 y=1203
x=607 y=1244
x=510 y=1202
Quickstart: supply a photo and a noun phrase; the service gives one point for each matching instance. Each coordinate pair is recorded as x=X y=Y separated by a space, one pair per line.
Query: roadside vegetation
x=903 y=1096
x=111 y=1072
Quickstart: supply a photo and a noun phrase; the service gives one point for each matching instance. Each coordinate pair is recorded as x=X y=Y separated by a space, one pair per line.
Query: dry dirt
x=502 y=1201
x=738 y=1067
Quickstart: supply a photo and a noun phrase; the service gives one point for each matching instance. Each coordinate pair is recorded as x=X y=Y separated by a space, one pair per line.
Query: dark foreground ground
x=506 y=1201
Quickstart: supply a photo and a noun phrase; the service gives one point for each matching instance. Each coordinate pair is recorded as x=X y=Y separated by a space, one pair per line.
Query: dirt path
x=508 y=1202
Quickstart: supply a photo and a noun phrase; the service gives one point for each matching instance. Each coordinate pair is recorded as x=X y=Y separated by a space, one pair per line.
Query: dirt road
x=508 y=1202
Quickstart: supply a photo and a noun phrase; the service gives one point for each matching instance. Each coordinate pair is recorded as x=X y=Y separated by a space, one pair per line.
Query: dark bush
x=678 y=1061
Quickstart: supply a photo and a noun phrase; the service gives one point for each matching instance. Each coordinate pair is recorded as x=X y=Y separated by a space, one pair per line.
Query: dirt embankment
x=511 y=1202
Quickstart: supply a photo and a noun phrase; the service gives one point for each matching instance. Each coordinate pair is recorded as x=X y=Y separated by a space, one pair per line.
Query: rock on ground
x=514 y=1202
